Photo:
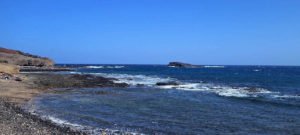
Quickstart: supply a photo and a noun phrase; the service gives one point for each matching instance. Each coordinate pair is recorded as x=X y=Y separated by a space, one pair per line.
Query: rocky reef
x=182 y=65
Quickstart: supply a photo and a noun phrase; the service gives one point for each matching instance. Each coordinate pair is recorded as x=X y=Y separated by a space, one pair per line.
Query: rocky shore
x=16 y=89
x=43 y=69
x=14 y=94
x=15 y=121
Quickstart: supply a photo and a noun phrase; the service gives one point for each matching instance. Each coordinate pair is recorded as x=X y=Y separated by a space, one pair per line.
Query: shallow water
x=210 y=100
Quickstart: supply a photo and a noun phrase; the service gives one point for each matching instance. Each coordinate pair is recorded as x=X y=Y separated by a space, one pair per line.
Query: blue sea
x=208 y=100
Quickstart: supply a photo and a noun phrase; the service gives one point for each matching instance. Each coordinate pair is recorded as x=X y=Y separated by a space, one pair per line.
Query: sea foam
x=219 y=89
x=99 y=67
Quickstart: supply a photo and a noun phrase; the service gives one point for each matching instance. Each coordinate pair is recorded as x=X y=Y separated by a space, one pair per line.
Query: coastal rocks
x=72 y=81
x=8 y=71
x=253 y=89
x=166 y=83
x=18 y=79
x=43 y=69
x=5 y=76
x=182 y=65
x=91 y=80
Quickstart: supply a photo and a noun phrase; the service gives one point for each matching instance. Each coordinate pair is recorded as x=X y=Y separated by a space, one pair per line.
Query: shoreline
x=27 y=123
x=15 y=94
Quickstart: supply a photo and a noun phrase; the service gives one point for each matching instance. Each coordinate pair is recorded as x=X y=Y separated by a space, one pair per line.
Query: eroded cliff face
x=19 y=58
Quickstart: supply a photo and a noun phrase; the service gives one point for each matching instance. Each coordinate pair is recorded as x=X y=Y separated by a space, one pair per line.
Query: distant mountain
x=19 y=58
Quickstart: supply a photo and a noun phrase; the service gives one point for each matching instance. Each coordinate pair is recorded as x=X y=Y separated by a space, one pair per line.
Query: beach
x=15 y=94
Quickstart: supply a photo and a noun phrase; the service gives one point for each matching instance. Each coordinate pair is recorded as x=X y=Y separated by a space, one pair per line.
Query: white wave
x=135 y=79
x=256 y=70
x=151 y=81
x=208 y=66
x=34 y=110
x=94 y=67
x=63 y=122
x=287 y=96
x=99 y=67
x=219 y=90
x=114 y=66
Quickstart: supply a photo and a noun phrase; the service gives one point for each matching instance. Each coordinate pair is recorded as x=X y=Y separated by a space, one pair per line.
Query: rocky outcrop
x=182 y=65
x=19 y=58
x=72 y=81
x=44 y=69
x=167 y=83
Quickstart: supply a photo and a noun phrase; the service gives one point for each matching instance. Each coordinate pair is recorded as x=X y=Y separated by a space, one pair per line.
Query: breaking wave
x=219 y=89
x=135 y=80
x=33 y=109
x=214 y=66
x=99 y=67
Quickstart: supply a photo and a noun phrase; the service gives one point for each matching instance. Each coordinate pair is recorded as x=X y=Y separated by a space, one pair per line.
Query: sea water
x=207 y=100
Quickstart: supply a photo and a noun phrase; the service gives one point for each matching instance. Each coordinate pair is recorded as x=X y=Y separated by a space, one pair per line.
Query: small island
x=182 y=65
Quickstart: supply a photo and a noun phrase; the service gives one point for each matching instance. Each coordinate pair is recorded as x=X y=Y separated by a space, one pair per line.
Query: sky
x=208 y=32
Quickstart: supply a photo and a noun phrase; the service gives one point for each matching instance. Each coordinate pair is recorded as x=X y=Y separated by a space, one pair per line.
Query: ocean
x=207 y=100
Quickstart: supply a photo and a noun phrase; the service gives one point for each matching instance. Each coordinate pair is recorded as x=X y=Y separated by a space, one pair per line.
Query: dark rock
x=3 y=61
x=43 y=69
x=140 y=85
x=252 y=89
x=73 y=81
x=182 y=65
x=18 y=79
x=122 y=85
x=166 y=83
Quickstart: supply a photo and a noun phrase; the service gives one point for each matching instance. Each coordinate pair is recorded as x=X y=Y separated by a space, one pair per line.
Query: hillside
x=19 y=58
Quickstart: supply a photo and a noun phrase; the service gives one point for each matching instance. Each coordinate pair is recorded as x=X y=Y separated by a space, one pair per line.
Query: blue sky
x=230 y=32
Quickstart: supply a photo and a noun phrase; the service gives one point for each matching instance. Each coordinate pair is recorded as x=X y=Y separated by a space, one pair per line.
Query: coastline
x=15 y=94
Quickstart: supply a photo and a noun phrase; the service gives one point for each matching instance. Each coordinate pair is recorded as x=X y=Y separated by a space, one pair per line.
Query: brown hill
x=19 y=58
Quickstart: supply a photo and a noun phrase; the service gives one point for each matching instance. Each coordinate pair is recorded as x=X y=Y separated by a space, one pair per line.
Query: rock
x=182 y=65
x=43 y=69
x=5 y=76
x=72 y=81
x=252 y=89
x=140 y=85
x=166 y=83
x=122 y=85
x=18 y=79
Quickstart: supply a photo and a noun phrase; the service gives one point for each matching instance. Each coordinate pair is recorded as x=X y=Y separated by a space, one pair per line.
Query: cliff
x=19 y=58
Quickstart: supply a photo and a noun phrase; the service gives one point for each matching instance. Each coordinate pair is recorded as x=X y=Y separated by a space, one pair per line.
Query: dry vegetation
x=8 y=68
x=23 y=59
